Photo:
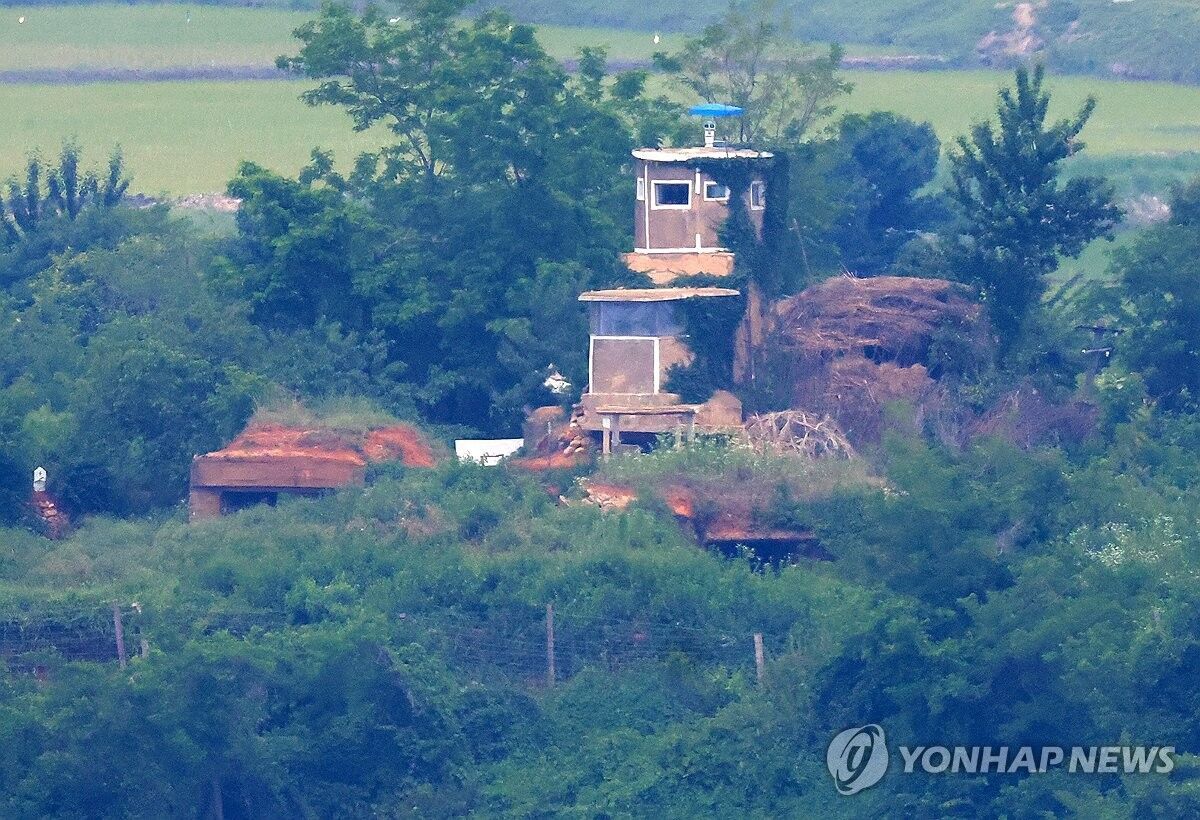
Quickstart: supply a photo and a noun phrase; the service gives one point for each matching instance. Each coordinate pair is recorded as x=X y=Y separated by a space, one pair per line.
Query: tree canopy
x=1018 y=219
x=749 y=58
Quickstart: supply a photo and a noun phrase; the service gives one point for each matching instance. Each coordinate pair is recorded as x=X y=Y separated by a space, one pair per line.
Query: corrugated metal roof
x=653 y=294
x=689 y=154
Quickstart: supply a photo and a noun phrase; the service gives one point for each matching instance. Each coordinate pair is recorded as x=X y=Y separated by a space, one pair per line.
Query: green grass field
x=170 y=36
x=1130 y=118
x=185 y=137
x=178 y=137
x=54 y=37
x=161 y=36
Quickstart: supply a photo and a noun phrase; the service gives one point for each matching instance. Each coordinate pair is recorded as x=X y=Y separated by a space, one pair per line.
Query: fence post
x=551 y=672
x=760 y=658
x=119 y=628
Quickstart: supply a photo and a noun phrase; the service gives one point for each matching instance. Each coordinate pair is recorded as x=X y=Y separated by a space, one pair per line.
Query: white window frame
x=657 y=358
x=708 y=198
x=654 y=206
x=762 y=197
x=641 y=189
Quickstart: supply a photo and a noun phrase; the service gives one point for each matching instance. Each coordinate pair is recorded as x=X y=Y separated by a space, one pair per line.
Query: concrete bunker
x=269 y=460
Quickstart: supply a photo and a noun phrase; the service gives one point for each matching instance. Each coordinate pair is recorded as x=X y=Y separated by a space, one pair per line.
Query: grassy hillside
x=383 y=652
x=1147 y=38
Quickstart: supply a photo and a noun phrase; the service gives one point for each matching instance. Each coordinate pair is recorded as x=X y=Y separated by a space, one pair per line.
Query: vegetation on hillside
x=385 y=650
x=1147 y=39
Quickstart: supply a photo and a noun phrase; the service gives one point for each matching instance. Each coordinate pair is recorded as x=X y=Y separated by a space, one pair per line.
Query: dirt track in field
x=79 y=76
x=86 y=74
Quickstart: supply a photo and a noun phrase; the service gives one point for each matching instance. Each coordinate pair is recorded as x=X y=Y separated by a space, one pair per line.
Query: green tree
x=505 y=173
x=886 y=161
x=1157 y=304
x=299 y=247
x=62 y=191
x=1018 y=220
x=749 y=58
x=15 y=468
x=146 y=409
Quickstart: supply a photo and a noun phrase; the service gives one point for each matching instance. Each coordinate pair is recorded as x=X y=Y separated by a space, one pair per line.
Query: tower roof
x=699 y=152
x=654 y=294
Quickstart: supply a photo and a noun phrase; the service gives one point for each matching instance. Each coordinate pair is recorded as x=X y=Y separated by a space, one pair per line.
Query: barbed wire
x=510 y=641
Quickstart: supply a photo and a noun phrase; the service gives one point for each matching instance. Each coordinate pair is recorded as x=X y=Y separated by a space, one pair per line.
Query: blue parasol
x=715 y=110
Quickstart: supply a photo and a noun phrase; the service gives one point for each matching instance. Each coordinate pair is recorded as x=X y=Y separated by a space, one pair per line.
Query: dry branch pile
x=853 y=346
x=886 y=317
x=795 y=431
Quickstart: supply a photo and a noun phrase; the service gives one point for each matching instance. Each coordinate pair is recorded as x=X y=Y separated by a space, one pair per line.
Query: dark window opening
x=673 y=194
x=634 y=319
x=758 y=195
x=715 y=191
x=232 y=502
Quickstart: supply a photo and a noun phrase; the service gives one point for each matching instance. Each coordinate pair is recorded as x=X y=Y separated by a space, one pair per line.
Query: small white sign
x=488 y=452
x=39 y=480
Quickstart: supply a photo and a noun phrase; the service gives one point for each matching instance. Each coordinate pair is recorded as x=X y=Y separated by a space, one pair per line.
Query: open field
x=190 y=36
x=184 y=137
x=1131 y=117
x=56 y=38
x=178 y=137
x=141 y=37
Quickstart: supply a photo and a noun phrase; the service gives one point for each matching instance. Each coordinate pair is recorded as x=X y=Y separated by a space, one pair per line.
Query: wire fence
x=535 y=647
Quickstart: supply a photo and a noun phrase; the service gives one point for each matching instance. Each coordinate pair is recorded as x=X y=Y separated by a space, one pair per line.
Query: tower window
x=758 y=195
x=715 y=192
x=672 y=195
x=641 y=189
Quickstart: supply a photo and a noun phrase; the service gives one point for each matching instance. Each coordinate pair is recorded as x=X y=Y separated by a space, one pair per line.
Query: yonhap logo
x=857 y=758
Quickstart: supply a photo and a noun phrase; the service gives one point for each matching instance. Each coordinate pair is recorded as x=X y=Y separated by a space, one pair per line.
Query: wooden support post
x=760 y=658
x=616 y=433
x=678 y=435
x=606 y=436
x=692 y=428
x=119 y=628
x=551 y=671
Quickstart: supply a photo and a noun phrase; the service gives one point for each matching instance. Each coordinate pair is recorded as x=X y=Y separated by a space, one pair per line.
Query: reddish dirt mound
x=554 y=461
x=54 y=522
x=397 y=443
x=715 y=522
